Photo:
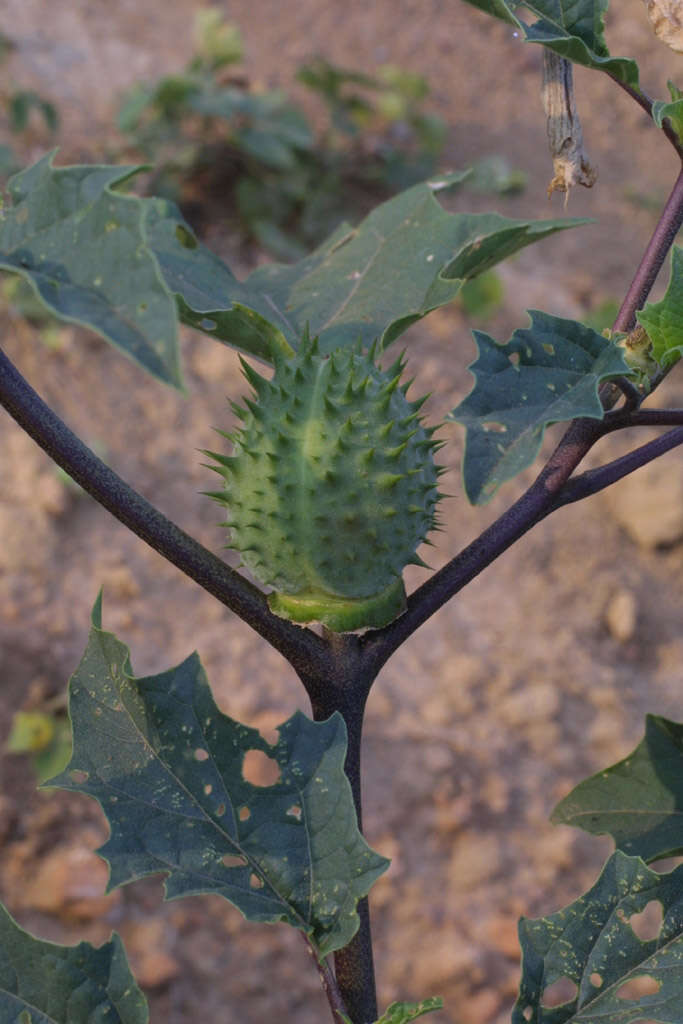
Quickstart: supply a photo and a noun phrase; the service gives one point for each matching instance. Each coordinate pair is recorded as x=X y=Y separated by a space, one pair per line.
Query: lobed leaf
x=408 y=257
x=80 y=245
x=638 y=801
x=545 y=374
x=573 y=28
x=663 y=320
x=167 y=767
x=43 y=983
x=618 y=977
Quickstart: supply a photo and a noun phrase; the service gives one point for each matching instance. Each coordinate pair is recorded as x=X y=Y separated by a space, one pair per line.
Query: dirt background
x=539 y=673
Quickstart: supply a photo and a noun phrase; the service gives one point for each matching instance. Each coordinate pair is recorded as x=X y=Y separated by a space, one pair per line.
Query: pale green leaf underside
x=572 y=28
x=663 y=320
x=672 y=110
x=638 y=801
x=166 y=766
x=592 y=943
x=547 y=373
x=43 y=983
x=81 y=246
x=408 y=257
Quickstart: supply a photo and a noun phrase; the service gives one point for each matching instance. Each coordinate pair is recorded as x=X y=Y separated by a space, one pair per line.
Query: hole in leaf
x=294 y=812
x=232 y=861
x=648 y=922
x=270 y=733
x=596 y=979
x=259 y=769
x=207 y=789
x=492 y=427
x=244 y=814
x=527 y=1012
x=187 y=240
x=634 y=988
x=220 y=810
x=561 y=991
x=550 y=349
x=666 y=864
x=255 y=882
x=78 y=776
x=201 y=755
x=514 y=359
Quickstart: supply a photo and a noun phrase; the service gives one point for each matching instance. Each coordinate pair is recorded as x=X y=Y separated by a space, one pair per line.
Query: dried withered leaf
x=570 y=163
x=667 y=21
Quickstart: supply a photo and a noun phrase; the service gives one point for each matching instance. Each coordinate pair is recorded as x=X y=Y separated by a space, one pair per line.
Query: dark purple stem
x=655 y=254
x=329 y=984
x=508 y=528
x=302 y=648
x=645 y=102
x=598 y=479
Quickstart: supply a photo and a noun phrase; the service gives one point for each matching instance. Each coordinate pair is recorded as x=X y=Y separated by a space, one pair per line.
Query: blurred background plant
x=210 y=133
x=17 y=109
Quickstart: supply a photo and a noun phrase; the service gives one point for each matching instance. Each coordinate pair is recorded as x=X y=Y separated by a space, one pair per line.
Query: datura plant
x=331 y=486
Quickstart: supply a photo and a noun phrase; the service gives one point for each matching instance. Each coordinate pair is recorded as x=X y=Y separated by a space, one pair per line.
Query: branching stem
x=302 y=647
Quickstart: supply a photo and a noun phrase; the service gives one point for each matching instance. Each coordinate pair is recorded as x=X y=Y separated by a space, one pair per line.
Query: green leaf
x=638 y=801
x=572 y=28
x=167 y=768
x=408 y=257
x=43 y=983
x=545 y=374
x=593 y=943
x=663 y=320
x=81 y=246
x=672 y=110
x=209 y=298
x=403 y=1013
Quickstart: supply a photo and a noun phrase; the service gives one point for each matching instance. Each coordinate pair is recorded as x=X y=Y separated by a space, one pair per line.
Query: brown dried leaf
x=565 y=138
x=667 y=21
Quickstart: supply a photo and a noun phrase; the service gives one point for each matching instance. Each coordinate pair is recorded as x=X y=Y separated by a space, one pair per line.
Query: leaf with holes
x=168 y=769
x=43 y=983
x=80 y=245
x=408 y=257
x=573 y=28
x=639 y=801
x=663 y=320
x=603 y=956
x=545 y=374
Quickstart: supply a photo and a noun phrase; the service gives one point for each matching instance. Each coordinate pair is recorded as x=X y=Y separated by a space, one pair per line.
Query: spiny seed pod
x=331 y=486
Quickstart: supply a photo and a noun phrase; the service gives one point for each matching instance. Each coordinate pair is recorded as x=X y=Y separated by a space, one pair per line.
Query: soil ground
x=538 y=674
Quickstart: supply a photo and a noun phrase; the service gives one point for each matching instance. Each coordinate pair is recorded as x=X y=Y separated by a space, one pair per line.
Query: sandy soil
x=540 y=672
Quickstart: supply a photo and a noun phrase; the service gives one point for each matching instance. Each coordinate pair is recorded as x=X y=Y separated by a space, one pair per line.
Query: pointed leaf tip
x=82 y=247
x=47 y=982
x=167 y=767
x=545 y=374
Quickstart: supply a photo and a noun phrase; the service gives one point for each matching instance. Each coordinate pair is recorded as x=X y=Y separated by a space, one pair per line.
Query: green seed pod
x=331 y=486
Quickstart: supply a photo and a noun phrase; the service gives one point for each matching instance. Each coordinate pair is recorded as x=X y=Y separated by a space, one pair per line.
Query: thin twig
x=596 y=480
x=653 y=257
x=644 y=101
x=305 y=651
x=329 y=984
x=508 y=528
